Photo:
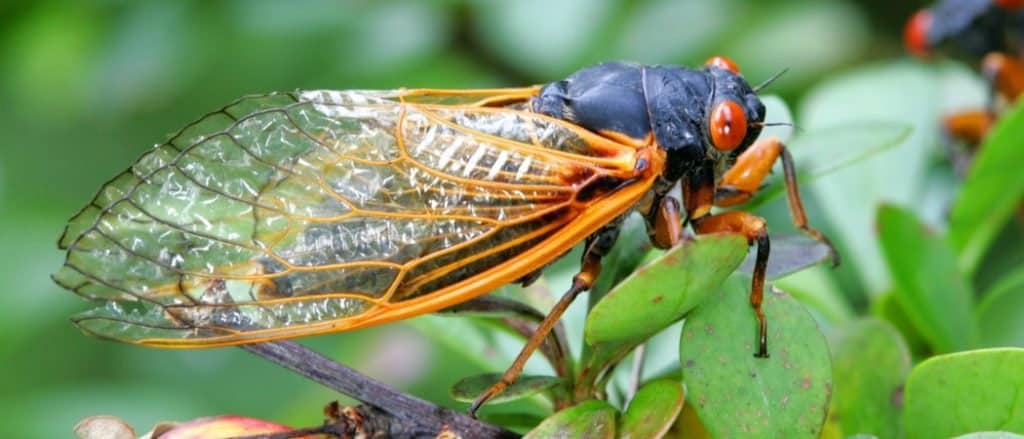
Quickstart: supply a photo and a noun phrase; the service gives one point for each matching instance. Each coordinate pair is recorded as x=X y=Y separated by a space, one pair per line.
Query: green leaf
x=467 y=389
x=999 y=314
x=589 y=419
x=870 y=362
x=888 y=308
x=818 y=291
x=992 y=191
x=929 y=287
x=848 y=198
x=965 y=392
x=663 y=291
x=652 y=410
x=738 y=395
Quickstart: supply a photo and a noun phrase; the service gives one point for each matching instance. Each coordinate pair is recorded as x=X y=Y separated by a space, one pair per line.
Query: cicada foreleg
x=743 y=179
x=597 y=245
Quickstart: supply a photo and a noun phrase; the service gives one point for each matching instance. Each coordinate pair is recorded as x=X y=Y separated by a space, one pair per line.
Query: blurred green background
x=87 y=86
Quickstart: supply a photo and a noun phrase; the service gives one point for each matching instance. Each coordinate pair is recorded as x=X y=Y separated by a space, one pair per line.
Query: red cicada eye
x=1010 y=4
x=728 y=125
x=723 y=63
x=915 y=36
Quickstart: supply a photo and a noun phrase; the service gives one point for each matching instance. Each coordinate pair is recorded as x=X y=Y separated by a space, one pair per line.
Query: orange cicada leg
x=737 y=186
x=756 y=231
x=750 y=170
x=665 y=227
x=1005 y=76
x=968 y=126
x=597 y=246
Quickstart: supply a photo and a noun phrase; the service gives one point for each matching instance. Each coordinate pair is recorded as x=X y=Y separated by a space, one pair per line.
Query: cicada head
x=734 y=114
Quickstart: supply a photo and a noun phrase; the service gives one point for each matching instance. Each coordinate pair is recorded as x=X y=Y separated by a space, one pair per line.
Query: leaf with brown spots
x=738 y=395
x=663 y=291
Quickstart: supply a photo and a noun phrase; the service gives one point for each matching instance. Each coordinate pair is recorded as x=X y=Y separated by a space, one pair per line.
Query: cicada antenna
x=768 y=81
x=775 y=124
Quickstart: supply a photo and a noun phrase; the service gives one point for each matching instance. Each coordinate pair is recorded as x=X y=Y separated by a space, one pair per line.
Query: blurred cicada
x=986 y=32
x=303 y=213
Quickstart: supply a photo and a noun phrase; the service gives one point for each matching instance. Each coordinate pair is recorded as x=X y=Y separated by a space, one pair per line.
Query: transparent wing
x=291 y=214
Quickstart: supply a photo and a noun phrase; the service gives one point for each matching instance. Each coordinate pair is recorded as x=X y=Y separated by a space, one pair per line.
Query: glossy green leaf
x=870 y=362
x=663 y=291
x=901 y=93
x=589 y=419
x=992 y=191
x=652 y=410
x=738 y=395
x=929 y=287
x=966 y=392
x=467 y=389
x=999 y=313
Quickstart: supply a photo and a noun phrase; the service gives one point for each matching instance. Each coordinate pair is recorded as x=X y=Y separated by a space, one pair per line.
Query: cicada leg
x=746 y=175
x=738 y=185
x=597 y=246
x=1005 y=77
x=756 y=231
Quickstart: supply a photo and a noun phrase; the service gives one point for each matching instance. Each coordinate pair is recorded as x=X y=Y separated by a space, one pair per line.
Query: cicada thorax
x=301 y=213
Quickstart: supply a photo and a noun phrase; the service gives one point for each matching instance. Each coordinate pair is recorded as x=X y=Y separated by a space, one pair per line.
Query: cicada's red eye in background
x=728 y=125
x=1010 y=4
x=915 y=35
x=723 y=63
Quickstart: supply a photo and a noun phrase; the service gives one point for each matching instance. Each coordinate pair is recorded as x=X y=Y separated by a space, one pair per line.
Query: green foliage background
x=87 y=86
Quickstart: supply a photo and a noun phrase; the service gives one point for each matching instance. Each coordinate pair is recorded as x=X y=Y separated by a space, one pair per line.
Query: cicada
x=303 y=213
x=991 y=31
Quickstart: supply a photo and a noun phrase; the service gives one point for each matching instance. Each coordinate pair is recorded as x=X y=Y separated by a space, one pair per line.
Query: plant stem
x=424 y=414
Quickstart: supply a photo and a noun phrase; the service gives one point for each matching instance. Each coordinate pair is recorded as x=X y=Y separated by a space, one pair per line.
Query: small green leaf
x=999 y=314
x=929 y=287
x=870 y=362
x=738 y=395
x=966 y=392
x=992 y=191
x=652 y=410
x=663 y=291
x=467 y=389
x=589 y=419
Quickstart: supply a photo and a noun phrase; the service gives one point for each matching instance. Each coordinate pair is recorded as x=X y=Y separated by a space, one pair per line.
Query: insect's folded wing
x=294 y=214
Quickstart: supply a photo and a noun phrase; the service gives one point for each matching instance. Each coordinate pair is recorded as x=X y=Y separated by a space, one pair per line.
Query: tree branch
x=424 y=415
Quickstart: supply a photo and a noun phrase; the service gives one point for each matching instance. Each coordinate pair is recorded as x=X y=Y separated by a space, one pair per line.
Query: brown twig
x=360 y=422
x=422 y=417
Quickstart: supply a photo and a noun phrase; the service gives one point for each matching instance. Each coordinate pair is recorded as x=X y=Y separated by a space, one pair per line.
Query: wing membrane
x=292 y=214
